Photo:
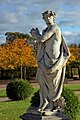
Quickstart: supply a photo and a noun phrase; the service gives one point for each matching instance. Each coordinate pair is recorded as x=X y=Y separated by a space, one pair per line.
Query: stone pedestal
x=34 y=114
x=58 y=116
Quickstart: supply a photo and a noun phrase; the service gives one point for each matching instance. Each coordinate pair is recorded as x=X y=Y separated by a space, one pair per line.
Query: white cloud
x=67 y=33
x=72 y=37
x=21 y=15
x=8 y=17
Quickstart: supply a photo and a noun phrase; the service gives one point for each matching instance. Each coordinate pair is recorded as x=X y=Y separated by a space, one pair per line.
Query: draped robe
x=52 y=57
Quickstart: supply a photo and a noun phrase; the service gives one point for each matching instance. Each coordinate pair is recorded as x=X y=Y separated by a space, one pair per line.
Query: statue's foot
x=44 y=105
x=39 y=110
x=42 y=108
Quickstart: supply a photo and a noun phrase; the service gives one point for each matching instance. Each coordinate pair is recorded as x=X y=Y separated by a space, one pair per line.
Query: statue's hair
x=49 y=13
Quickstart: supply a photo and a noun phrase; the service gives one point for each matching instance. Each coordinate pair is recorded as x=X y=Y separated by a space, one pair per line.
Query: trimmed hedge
x=19 y=89
x=72 y=103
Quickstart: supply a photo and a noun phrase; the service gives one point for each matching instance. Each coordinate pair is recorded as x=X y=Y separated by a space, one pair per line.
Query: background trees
x=17 y=54
x=10 y=36
x=73 y=64
x=75 y=54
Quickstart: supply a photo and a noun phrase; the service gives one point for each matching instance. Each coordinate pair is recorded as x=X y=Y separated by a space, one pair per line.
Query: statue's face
x=48 y=19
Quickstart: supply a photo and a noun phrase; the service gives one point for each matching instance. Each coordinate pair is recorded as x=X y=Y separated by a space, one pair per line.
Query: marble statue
x=52 y=56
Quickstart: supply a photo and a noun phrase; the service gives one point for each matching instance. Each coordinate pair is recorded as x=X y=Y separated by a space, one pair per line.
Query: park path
x=4 y=84
x=4 y=99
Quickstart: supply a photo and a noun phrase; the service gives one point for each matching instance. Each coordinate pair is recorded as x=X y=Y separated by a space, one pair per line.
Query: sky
x=22 y=15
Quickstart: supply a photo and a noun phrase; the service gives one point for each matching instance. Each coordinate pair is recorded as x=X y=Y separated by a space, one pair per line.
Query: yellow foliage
x=17 y=54
x=75 y=54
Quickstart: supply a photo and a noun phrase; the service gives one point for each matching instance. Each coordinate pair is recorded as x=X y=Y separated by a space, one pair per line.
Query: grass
x=3 y=93
x=14 y=109
x=74 y=87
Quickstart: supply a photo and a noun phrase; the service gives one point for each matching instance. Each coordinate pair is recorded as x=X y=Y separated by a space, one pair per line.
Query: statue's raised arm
x=49 y=31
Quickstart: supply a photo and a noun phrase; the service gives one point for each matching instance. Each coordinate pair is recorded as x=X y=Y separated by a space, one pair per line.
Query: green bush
x=72 y=103
x=35 y=100
x=19 y=89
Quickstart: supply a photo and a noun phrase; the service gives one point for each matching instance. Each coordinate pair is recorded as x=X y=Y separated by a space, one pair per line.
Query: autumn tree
x=17 y=54
x=74 y=60
x=75 y=54
x=1 y=56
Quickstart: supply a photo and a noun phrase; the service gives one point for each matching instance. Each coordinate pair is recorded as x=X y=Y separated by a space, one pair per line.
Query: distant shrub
x=19 y=89
x=72 y=103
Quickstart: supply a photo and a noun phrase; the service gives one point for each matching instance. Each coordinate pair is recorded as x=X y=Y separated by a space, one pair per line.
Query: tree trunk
x=71 y=73
x=21 y=72
x=25 y=73
x=67 y=69
x=2 y=74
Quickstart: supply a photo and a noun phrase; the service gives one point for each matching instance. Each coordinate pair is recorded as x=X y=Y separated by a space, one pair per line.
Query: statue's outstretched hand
x=34 y=32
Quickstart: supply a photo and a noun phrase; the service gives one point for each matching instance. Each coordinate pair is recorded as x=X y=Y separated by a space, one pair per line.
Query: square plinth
x=28 y=116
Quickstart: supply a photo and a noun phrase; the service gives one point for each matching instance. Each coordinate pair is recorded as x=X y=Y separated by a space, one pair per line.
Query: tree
x=73 y=45
x=75 y=53
x=10 y=36
x=17 y=54
x=1 y=56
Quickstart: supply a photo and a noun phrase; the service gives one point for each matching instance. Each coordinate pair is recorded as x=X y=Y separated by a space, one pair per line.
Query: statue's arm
x=46 y=35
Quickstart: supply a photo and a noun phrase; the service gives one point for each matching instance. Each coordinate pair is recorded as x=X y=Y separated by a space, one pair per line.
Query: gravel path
x=4 y=99
x=77 y=92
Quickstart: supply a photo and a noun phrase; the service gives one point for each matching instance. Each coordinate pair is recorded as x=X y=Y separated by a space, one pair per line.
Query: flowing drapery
x=51 y=71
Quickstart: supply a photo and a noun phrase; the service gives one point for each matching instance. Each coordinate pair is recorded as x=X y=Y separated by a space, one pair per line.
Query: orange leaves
x=17 y=54
x=75 y=54
x=1 y=56
x=20 y=54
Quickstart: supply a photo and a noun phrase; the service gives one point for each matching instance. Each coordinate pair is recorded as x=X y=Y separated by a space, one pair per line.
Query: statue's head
x=48 y=14
x=49 y=17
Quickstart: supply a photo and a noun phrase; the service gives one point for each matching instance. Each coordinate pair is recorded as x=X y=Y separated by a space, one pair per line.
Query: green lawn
x=14 y=109
x=3 y=93
x=74 y=87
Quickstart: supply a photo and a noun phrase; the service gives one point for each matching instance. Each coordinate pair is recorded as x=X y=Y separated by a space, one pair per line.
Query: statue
x=51 y=58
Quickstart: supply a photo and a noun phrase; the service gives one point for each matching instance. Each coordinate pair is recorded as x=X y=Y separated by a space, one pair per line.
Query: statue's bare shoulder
x=55 y=28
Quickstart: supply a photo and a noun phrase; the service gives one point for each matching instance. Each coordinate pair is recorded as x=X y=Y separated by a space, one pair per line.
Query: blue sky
x=22 y=15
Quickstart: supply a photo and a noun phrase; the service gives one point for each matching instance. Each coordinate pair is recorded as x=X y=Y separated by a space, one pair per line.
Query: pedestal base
x=58 y=116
